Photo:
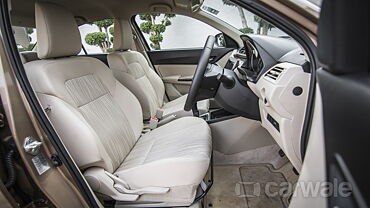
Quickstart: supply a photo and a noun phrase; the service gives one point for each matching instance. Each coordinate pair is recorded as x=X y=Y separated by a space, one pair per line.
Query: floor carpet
x=251 y=186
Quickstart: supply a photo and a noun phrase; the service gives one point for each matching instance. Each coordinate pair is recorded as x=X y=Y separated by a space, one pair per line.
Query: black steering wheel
x=199 y=73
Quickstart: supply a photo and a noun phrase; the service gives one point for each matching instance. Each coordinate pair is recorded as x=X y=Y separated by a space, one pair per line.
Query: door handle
x=185 y=79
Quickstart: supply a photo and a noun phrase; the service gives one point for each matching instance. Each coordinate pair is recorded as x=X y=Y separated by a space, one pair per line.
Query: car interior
x=169 y=127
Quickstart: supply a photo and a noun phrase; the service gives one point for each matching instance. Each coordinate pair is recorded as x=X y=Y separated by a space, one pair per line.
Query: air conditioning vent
x=274 y=73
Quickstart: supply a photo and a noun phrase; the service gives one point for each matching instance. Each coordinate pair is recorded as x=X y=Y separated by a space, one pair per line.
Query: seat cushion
x=176 y=154
x=176 y=107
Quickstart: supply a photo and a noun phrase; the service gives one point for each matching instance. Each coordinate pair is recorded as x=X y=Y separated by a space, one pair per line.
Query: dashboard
x=272 y=84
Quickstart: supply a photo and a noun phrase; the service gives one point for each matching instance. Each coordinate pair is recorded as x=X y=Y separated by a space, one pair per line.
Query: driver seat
x=133 y=71
x=100 y=123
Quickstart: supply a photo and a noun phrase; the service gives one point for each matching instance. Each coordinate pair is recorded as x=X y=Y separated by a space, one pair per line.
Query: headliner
x=23 y=12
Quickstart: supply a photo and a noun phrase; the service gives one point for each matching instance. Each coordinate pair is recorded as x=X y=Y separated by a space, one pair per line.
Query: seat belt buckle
x=153 y=123
x=159 y=113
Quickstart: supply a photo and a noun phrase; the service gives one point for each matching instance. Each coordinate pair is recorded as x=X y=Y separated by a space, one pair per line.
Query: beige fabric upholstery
x=82 y=88
x=165 y=156
x=146 y=84
x=122 y=38
x=58 y=34
x=100 y=123
x=133 y=71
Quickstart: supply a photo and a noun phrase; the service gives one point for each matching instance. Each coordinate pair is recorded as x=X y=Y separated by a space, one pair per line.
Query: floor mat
x=223 y=194
x=234 y=186
x=264 y=187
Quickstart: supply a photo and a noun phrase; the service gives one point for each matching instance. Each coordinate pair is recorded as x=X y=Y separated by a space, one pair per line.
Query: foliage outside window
x=263 y=25
x=104 y=38
x=155 y=25
x=245 y=28
x=240 y=18
x=173 y=31
x=25 y=38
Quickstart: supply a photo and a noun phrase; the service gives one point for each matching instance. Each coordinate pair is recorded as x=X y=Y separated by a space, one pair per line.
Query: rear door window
x=25 y=38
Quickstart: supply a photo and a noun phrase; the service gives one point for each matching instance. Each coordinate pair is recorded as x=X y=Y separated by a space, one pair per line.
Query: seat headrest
x=57 y=31
x=343 y=36
x=122 y=39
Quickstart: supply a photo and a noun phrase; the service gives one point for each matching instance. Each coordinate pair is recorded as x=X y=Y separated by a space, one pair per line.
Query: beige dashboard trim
x=276 y=99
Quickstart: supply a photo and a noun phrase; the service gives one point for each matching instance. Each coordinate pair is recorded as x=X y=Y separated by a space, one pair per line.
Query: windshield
x=241 y=19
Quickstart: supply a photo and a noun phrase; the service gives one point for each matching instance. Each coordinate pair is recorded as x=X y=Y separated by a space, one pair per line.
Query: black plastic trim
x=184 y=56
x=17 y=66
x=345 y=100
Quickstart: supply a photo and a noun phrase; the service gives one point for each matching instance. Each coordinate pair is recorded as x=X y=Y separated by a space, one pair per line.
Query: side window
x=25 y=37
x=97 y=37
x=170 y=31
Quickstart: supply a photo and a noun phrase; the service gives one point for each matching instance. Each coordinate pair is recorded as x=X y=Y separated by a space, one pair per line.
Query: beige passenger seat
x=133 y=71
x=100 y=123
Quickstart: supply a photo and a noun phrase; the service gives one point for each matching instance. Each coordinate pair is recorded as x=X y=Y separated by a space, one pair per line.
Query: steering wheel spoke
x=199 y=74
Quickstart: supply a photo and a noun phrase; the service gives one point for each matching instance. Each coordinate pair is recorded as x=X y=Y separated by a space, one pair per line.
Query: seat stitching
x=150 y=149
x=94 y=100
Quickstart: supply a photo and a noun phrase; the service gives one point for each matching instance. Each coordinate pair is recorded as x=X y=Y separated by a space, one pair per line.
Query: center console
x=217 y=115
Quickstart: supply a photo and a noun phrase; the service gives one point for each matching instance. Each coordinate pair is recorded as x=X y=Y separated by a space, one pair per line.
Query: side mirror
x=224 y=41
x=220 y=40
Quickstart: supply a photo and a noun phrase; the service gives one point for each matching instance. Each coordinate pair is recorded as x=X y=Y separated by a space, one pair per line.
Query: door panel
x=167 y=70
x=177 y=67
x=176 y=55
x=176 y=78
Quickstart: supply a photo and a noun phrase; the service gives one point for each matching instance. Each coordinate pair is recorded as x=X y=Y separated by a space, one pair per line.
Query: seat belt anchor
x=153 y=123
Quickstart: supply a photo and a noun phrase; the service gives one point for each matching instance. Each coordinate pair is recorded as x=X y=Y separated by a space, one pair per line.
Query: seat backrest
x=97 y=118
x=132 y=70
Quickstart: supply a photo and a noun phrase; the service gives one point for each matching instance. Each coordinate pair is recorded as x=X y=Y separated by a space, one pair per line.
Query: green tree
x=101 y=38
x=111 y=32
x=245 y=28
x=105 y=24
x=28 y=48
x=29 y=31
x=155 y=25
x=263 y=25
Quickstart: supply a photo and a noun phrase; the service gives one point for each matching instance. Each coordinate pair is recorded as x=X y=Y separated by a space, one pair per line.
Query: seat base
x=175 y=154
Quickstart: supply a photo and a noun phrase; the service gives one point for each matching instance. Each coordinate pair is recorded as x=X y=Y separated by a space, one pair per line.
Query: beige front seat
x=100 y=122
x=133 y=71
